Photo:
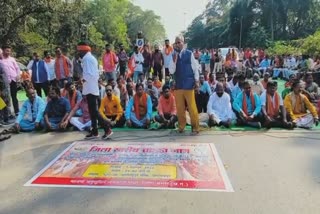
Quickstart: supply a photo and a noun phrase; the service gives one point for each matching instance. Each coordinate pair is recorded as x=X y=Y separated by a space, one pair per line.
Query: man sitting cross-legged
x=110 y=112
x=83 y=122
x=272 y=108
x=167 y=110
x=57 y=111
x=31 y=113
x=248 y=107
x=219 y=108
x=73 y=95
x=141 y=104
x=297 y=105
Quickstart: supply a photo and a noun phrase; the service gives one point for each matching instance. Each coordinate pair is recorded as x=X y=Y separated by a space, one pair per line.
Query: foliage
x=64 y=23
x=257 y=21
x=283 y=48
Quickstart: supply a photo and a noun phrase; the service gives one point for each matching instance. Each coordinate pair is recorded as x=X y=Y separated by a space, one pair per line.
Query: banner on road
x=182 y=166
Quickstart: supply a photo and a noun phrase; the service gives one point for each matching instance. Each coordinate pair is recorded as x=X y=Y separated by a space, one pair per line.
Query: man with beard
x=167 y=111
x=157 y=62
x=90 y=85
x=272 y=108
x=56 y=112
x=111 y=112
x=219 y=108
x=248 y=107
x=74 y=96
x=142 y=105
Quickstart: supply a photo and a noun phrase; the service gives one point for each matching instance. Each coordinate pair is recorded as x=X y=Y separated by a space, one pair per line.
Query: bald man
x=219 y=108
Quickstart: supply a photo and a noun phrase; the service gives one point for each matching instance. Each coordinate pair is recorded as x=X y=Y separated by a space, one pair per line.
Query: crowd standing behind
x=167 y=87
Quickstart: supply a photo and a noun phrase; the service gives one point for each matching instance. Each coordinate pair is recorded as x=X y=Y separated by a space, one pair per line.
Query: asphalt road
x=271 y=172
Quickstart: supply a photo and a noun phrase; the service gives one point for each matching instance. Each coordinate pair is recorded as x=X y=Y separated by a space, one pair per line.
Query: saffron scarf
x=157 y=84
x=65 y=67
x=244 y=102
x=273 y=110
x=140 y=105
x=168 y=50
x=72 y=99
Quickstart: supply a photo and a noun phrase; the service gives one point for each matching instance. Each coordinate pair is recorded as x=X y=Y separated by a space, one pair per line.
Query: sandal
x=5 y=137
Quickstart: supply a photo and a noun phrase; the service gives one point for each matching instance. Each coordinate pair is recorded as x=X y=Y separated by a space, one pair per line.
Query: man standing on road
x=12 y=70
x=186 y=73
x=90 y=85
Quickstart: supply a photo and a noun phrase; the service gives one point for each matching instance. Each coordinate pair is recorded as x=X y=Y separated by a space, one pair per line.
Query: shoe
x=107 y=135
x=7 y=123
x=92 y=135
x=194 y=133
x=255 y=124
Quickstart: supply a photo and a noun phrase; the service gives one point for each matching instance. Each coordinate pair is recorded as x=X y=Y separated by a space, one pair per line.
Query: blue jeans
x=110 y=75
x=138 y=123
x=54 y=122
x=136 y=75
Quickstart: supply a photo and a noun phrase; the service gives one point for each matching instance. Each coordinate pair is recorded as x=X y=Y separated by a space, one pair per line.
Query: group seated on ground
x=145 y=104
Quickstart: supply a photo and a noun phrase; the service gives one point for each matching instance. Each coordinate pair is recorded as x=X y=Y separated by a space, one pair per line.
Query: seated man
x=238 y=88
x=311 y=88
x=152 y=91
x=265 y=80
x=297 y=105
x=201 y=100
x=83 y=122
x=256 y=85
x=110 y=112
x=74 y=96
x=272 y=108
x=57 y=111
x=123 y=91
x=205 y=89
x=248 y=107
x=31 y=113
x=167 y=111
x=157 y=83
x=141 y=104
x=219 y=108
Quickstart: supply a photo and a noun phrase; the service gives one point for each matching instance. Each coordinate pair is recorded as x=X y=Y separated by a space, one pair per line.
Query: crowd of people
x=167 y=87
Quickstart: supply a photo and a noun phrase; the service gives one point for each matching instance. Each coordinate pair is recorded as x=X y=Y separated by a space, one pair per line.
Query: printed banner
x=183 y=166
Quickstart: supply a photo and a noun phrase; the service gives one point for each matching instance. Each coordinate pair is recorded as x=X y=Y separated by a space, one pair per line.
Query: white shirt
x=220 y=107
x=30 y=64
x=51 y=71
x=167 y=59
x=263 y=99
x=291 y=63
x=90 y=75
x=138 y=58
x=194 y=64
